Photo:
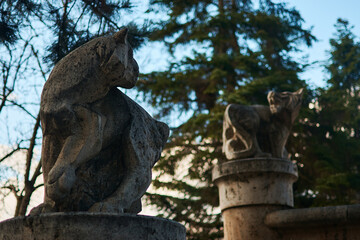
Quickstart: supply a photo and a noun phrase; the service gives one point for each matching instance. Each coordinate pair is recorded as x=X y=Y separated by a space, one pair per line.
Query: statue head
x=118 y=64
x=290 y=101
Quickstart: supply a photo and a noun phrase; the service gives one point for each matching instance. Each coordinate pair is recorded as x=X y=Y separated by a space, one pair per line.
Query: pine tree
x=76 y=22
x=239 y=53
x=14 y=15
x=331 y=157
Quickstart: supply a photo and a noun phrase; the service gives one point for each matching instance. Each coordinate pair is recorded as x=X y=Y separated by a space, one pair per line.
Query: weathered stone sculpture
x=260 y=131
x=98 y=145
x=257 y=178
x=98 y=150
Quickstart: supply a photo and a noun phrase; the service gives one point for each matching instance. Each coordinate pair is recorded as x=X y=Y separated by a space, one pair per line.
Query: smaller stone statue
x=99 y=146
x=260 y=131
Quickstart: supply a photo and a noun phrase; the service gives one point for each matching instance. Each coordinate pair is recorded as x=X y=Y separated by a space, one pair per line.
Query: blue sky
x=322 y=15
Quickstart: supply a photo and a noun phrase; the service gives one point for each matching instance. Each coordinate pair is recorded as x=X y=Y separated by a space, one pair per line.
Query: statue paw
x=60 y=181
x=107 y=207
x=42 y=208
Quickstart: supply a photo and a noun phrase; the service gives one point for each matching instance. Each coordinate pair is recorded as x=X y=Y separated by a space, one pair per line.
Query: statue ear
x=300 y=92
x=270 y=95
x=120 y=36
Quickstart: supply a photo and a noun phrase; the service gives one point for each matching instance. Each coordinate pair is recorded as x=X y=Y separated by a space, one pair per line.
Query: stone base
x=249 y=189
x=255 y=181
x=77 y=226
x=325 y=223
x=245 y=223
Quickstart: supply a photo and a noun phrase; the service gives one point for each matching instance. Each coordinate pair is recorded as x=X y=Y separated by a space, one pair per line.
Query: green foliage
x=331 y=161
x=13 y=16
x=239 y=53
x=76 y=22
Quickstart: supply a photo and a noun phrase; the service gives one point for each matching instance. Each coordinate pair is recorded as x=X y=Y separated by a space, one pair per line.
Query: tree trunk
x=23 y=199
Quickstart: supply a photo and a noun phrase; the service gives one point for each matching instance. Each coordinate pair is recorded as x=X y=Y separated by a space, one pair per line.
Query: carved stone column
x=249 y=189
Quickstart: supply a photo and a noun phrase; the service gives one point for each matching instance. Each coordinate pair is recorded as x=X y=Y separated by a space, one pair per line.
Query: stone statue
x=98 y=146
x=260 y=131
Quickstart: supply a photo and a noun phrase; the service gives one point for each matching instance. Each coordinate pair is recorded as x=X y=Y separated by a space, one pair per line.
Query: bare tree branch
x=30 y=152
x=18 y=148
x=37 y=173
x=6 y=69
x=13 y=189
x=35 y=53
x=22 y=108
x=38 y=186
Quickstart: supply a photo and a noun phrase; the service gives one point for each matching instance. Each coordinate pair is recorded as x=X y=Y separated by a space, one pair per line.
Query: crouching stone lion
x=98 y=146
x=260 y=131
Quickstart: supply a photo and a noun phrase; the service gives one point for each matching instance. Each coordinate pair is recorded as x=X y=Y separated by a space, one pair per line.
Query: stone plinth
x=75 y=226
x=249 y=189
x=327 y=223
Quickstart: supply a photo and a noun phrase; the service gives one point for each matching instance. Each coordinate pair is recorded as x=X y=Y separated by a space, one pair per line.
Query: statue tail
x=237 y=142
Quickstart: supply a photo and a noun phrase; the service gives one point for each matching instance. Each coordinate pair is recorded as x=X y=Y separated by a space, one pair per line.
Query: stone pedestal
x=76 y=226
x=249 y=189
x=318 y=223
